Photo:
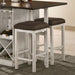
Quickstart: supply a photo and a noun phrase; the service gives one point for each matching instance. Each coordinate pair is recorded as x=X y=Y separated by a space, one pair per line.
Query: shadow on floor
x=60 y=68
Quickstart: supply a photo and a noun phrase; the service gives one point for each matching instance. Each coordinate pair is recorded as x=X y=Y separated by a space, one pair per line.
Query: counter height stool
x=32 y=27
x=55 y=22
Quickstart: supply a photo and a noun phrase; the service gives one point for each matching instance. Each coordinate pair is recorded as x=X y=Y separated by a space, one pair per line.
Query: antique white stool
x=31 y=27
x=55 y=22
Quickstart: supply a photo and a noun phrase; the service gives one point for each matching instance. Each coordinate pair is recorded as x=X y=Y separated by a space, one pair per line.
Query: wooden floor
x=60 y=68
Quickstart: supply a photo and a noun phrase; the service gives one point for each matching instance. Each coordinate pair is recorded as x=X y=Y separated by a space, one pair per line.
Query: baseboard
x=69 y=28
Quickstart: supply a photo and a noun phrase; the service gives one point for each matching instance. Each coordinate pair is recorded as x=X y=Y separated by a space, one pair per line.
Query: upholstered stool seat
x=55 y=22
x=31 y=25
x=52 y=21
x=31 y=29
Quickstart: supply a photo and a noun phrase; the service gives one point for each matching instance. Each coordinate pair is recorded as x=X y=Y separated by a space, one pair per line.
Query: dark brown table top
x=31 y=6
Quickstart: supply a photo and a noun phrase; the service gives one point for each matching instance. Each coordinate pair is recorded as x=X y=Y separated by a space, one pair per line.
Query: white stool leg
x=46 y=62
x=37 y=41
x=63 y=42
x=29 y=47
x=52 y=49
x=16 y=51
x=33 y=52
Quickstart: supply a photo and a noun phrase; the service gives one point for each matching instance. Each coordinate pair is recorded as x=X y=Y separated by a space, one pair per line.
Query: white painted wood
x=46 y=61
x=13 y=33
x=31 y=18
x=33 y=52
x=45 y=39
x=46 y=15
x=40 y=45
x=60 y=48
x=16 y=51
x=47 y=48
x=15 y=19
x=31 y=15
x=37 y=42
x=24 y=59
x=27 y=31
x=57 y=48
x=6 y=62
x=29 y=46
x=19 y=14
x=23 y=51
x=28 y=15
x=63 y=41
x=6 y=37
x=52 y=46
x=41 y=54
x=5 y=46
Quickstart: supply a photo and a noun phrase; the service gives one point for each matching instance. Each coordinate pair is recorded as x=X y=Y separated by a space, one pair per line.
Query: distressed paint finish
x=20 y=15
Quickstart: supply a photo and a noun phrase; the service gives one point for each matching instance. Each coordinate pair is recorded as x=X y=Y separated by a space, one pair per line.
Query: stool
x=31 y=27
x=55 y=22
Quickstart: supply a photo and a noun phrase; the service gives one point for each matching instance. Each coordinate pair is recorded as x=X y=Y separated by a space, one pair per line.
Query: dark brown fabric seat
x=52 y=21
x=31 y=25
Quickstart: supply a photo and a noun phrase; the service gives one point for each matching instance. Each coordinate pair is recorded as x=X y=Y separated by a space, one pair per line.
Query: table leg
x=31 y=15
x=13 y=44
x=52 y=47
x=30 y=18
x=51 y=35
x=46 y=15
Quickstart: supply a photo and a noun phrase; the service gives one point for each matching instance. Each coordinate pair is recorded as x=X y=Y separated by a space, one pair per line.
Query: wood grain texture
x=31 y=5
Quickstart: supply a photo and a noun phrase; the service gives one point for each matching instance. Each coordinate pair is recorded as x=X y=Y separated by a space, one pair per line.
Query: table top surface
x=32 y=5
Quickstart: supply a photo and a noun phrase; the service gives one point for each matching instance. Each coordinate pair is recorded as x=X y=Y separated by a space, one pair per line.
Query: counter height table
x=34 y=5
